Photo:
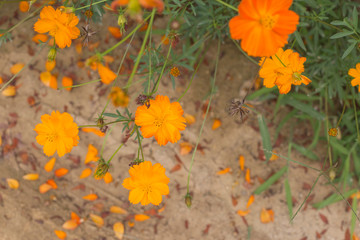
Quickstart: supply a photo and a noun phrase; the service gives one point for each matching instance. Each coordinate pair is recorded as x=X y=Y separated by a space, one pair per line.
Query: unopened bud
x=188 y=200
x=102 y=168
x=332 y=174
x=52 y=54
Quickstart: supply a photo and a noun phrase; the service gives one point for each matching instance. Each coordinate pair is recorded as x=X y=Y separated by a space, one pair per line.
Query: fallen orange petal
x=49 y=65
x=9 y=91
x=354 y=237
x=13 y=183
x=190 y=119
x=60 y=234
x=118 y=228
x=75 y=217
x=78 y=48
x=274 y=157
x=266 y=216
x=1 y=80
x=243 y=213
x=61 y=172
x=99 y=221
x=216 y=124
x=185 y=148
x=50 y=165
x=31 y=176
x=85 y=173
x=108 y=178
x=141 y=217
x=67 y=82
x=93 y=130
x=24 y=6
x=70 y=224
x=250 y=201
x=90 y=197
x=16 y=68
x=52 y=183
x=241 y=162
x=119 y=210
x=115 y=32
x=161 y=209
x=131 y=223
x=43 y=188
x=247 y=176
x=40 y=37
x=224 y=171
x=91 y=155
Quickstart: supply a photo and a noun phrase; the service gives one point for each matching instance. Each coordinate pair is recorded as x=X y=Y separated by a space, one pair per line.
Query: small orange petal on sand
x=75 y=217
x=70 y=224
x=108 y=178
x=141 y=217
x=24 y=6
x=118 y=228
x=78 y=48
x=99 y=221
x=1 y=80
x=90 y=197
x=60 y=234
x=50 y=165
x=250 y=201
x=94 y=130
x=243 y=213
x=49 y=65
x=354 y=237
x=13 y=183
x=266 y=216
x=16 y=68
x=224 y=171
x=247 y=176
x=161 y=209
x=40 y=37
x=190 y=119
x=61 y=172
x=85 y=173
x=91 y=155
x=43 y=188
x=216 y=124
x=241 y=162
x=67 y=82
x=52 y=183
x=131 y=223
x=274 y=157
x=115 y=32
x=9 y=91
x=119 y=210
x=48 y=80
x=185 y=148
x=31 y=176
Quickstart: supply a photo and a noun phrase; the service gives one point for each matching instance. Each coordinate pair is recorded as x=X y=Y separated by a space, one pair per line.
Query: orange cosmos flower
x=60 y=25
x=147 y=183
x=283 y=69
x=355 y=73
x=134 y=5
x=263 y=26
x=161 y=119
x=57 y=132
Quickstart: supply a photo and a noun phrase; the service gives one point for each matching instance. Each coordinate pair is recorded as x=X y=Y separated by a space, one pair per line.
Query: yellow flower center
x=268 y=21
x=159 y=121
x=52 y=137
x=146 y=188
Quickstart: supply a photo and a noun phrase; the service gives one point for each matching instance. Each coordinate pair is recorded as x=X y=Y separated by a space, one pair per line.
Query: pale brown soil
x=25 y=214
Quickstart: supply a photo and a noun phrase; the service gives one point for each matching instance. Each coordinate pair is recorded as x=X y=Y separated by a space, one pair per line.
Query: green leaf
x=306 y=108
x=265 y=137
x=338 y=23
x=333 y=199
x=341 y=34
x=349 y=49
x=270 y=181
x=337 y=146
x=299 y=40
x=288 y=197
x=355 y=17
x=304 y=151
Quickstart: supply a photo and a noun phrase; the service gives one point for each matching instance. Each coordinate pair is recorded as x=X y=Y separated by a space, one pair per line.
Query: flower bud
x=188 y=200
x=52 y=54
x=102 y=168
x=332 y=174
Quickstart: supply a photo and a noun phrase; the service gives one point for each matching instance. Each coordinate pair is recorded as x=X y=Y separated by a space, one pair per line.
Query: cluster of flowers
x=159 y=118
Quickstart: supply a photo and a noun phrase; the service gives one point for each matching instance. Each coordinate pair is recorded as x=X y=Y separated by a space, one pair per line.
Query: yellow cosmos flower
x=355 y=73
x=283 y=69
x=60 y=25
x=147 y=183
x=161 y=119
x=57 y=132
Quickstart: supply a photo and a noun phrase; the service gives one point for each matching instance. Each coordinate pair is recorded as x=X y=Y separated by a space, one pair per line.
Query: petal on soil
x=50 y=165
x=185 y=148
x=70 y=224
x=85 y=173
x=31 y=176
x=119 y=230
x=13 y=183
x=44 y=188
x=216 y=124
x=266 y=216
x=119 y=210
x=61 y=172
x=141 y=217
x=16 y=68
x=247 y=176
x=108 y=178
x=131 y=224
x=93 y=130
x=274 y=157
x=9 y=91
x=241 y=162
x=224 y=171
x=250 y=201
x=52 y=183
x=90 y=197
x=115 y=32
x=60 y=234
x=190 y=119
x=243 y=213
x=75 y=217
x=99 y=221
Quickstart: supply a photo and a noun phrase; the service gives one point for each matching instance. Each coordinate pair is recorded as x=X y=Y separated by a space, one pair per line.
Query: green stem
x=245 y=54
x=90 y=5
x=203 y=123
x=227 y=5
x=105 y=124
x=104 y=142
x=115 y=153
x=139 y=141
x=356 y=120
x=150 y=66
x=156 y=86
x=280 y=60
x=342 y=114
x=327 y=127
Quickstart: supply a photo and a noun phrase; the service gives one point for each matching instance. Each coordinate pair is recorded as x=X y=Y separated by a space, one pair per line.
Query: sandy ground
x=25 y=214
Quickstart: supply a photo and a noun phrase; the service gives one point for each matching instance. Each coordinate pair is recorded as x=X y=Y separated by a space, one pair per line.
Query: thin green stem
x=227 y=5
x=203 y=123
x=156 y=86
x=104 y=142
x=141 y=49
x=356 y=120
x=112 y=156
x=280 y=60
x=90 y=5
x=245 y=54
x=342 y=114
x=327 y=127
x=150 y=66
x=139 y=141
x=81 y=84
x=105 y=124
